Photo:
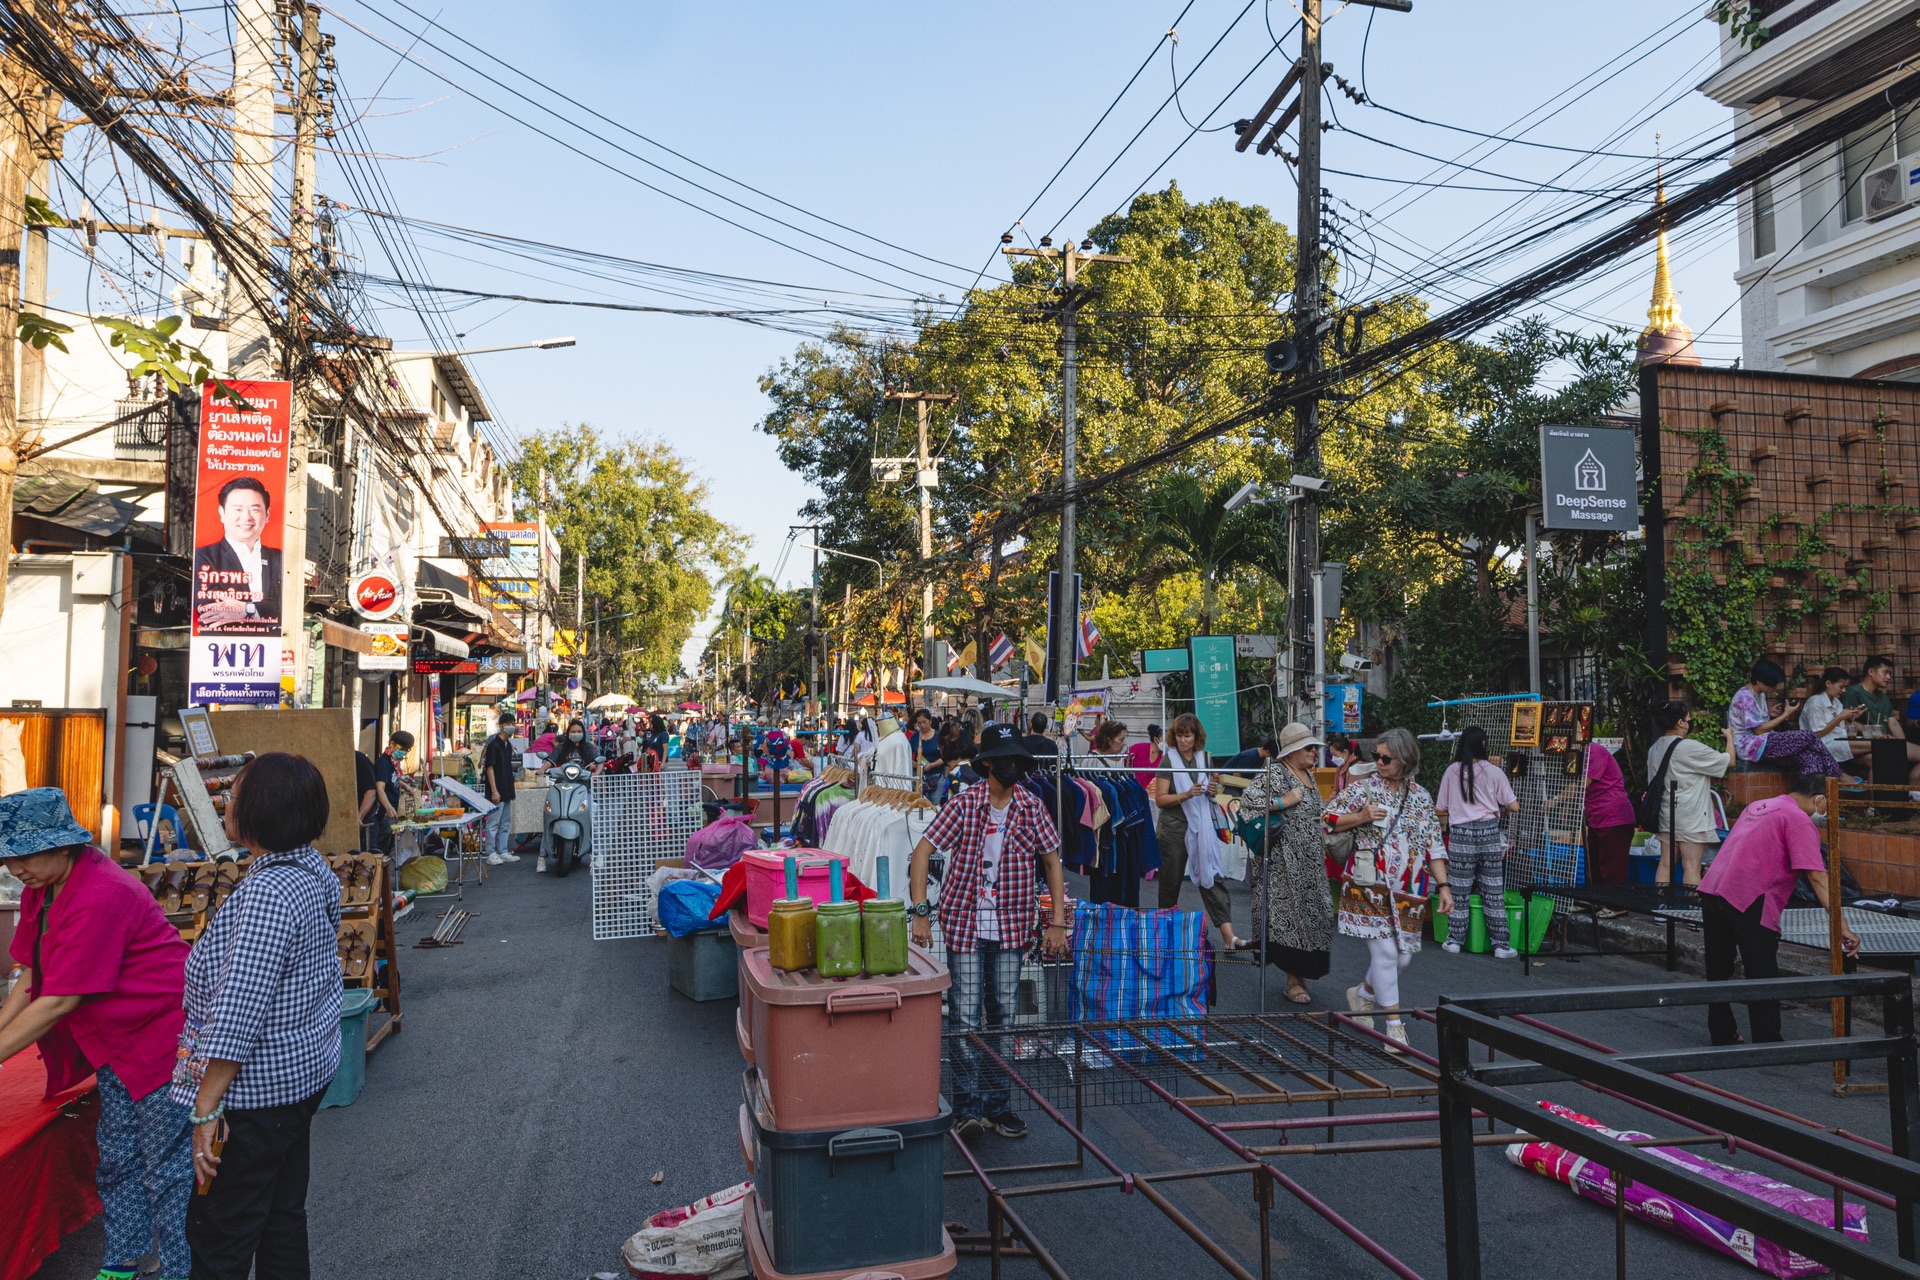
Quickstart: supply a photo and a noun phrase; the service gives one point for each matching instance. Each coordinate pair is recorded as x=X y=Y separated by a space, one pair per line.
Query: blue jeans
x=145 y=1176
x=981 y=1089
x=500 y=827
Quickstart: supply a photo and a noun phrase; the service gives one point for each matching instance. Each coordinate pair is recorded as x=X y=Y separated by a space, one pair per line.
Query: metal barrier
x=1501 y=1023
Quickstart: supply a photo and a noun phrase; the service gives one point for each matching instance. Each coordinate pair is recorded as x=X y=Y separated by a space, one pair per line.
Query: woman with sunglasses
x=1397 y=851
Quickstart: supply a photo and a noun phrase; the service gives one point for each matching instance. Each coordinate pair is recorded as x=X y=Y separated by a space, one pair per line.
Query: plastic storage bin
x=1477 y=941
x=704 y=965
x=838 y=1055
x=767 y=878
x=747 y=937
x=760 y=1255
x=356 y=1003
x=835 y=1198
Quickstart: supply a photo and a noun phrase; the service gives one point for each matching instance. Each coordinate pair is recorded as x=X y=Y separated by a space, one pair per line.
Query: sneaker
x=541 y=865
x=969 y=1126
x=1504 y=952
x=1396 y=1032
x=1360 y=1004
x=496 y=859
x=1007 y=1124
x=509 y=857
x=1451 y=947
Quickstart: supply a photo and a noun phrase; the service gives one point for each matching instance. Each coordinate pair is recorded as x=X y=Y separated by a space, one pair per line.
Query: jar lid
x=839 y=908
x=883 y=905
x=790 y=904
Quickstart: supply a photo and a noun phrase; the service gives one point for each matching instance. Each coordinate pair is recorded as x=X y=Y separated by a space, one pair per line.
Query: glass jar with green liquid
x=883 y=928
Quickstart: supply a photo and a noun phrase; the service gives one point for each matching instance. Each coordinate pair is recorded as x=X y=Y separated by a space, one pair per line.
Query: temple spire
x=1665 y=340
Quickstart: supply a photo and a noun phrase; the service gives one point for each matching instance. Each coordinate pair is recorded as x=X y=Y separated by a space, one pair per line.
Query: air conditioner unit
x=1884 y=190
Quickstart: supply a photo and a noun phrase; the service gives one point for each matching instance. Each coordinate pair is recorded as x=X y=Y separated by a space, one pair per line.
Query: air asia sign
x=376 y=596
x=1588 y=478
x=239 y=518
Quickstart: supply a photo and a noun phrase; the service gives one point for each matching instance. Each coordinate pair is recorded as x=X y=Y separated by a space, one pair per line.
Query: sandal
x=1297 y=993
x=358 y=957
x=1242 y=944
x=195 y=889
x=171 y=887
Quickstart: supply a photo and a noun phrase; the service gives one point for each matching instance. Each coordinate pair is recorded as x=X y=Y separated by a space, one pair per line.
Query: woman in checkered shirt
x=262 y=1035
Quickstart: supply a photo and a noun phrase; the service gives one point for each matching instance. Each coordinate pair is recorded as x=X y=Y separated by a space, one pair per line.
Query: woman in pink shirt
x=102 y=992
x=1474 y=792
x=1610 y=818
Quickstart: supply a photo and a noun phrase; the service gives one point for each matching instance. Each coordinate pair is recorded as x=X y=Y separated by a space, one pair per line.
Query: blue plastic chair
x=143 y=818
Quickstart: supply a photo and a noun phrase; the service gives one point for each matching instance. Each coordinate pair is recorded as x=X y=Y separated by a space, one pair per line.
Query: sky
x=925 y=131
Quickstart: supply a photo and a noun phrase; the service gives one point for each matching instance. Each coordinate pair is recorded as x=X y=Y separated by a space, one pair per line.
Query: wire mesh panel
x=1548 y=834
x=638 y=819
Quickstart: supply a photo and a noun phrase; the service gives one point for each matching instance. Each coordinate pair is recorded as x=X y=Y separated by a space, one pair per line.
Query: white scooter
x=567 y=835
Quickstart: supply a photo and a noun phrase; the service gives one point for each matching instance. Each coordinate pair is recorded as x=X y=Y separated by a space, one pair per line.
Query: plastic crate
x=356 y=1004
x=704 y=965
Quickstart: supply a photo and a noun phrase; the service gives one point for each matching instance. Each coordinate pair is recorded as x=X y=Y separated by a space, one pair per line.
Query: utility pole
x=1070 y=295
x=1302 y=356
x=926 y=477
x=296 y=364
x=813 y=622
x=580 y=617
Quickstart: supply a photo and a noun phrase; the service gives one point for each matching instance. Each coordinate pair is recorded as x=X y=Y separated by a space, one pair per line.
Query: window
x=1879 y=143
x=1763 y=236
x=439 y=404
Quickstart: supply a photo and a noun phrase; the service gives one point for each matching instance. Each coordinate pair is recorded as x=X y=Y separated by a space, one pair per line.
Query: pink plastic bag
x=719 y=844
x=1593 y=1181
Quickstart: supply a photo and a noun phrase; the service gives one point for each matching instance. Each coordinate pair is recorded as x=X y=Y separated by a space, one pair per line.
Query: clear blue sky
x=933 y=127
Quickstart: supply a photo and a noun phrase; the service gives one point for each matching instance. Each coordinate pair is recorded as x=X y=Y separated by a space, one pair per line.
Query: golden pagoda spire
x=1664 y=339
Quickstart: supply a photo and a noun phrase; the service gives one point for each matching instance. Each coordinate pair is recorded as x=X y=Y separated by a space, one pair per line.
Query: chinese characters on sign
x=239 y=516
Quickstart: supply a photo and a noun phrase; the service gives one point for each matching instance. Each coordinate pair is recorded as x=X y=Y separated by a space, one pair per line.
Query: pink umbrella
x=526 y=695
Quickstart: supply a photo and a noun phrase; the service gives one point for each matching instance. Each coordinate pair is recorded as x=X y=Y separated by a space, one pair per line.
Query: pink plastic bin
x=767 y=878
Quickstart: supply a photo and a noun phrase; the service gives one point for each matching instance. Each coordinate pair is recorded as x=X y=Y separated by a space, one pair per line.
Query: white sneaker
x=1396 y=1032
x=496 y=859
x=509 y=857
x=1360 y=1004
x=1451 y=947
x=541 y=865
x=1504 y=953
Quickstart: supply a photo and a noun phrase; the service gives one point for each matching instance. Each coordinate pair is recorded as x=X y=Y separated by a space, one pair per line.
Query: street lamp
x=851 y=555
x=544 y=344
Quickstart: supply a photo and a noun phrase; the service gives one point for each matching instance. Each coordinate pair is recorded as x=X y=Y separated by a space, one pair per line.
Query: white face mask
x=576 y=735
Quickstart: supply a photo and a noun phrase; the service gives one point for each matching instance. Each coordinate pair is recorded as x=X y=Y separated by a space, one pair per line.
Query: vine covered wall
x=1786 y=513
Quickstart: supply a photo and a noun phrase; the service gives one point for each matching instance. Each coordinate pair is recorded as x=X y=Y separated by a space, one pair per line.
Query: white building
x=1830 y=250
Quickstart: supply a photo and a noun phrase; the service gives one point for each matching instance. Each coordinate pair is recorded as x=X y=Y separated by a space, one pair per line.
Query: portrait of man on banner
x=236 y=579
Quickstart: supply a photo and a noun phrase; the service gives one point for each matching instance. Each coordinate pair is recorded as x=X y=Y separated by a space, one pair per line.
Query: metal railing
x=140 y=430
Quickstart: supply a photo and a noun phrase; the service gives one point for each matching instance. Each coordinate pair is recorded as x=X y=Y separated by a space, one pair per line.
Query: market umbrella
x=894 y=698
x=966 y=684
x=608 y=701
x=692 y=706
x=526 y=695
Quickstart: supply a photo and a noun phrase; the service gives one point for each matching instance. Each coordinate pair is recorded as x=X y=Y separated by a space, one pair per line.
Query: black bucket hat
x=1000 y=742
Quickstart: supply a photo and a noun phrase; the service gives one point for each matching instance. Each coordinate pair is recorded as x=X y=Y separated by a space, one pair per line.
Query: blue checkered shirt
x=263 y=986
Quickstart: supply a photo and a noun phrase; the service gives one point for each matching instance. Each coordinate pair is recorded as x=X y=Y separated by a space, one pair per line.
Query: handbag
x=1369 y=898
x=1647 y=805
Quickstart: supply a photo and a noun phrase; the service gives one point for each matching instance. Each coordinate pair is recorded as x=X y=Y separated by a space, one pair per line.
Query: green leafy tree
x=639 y=514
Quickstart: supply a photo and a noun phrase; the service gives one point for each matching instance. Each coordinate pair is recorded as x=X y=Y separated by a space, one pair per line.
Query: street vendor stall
x=47 y=1159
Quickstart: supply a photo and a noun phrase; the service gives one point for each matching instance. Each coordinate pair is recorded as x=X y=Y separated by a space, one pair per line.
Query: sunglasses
x=1381 y=757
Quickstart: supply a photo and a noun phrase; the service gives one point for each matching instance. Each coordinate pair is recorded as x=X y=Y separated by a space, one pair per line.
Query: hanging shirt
x=986 y=920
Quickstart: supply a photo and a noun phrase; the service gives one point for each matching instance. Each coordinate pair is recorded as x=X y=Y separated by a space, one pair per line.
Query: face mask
x=576 y=735
x=399 y=753
x=1006 y=772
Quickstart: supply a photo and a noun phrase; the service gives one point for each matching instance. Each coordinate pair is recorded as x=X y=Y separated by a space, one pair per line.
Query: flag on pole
x=1036 y=657
x=1089 y=637
x=965 y=658
x=1002 y=651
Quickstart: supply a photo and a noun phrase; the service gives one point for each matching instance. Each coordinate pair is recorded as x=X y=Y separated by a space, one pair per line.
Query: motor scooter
x=567 y=834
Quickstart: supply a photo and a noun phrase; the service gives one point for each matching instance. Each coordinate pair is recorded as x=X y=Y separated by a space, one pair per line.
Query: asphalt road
x=514 y=1128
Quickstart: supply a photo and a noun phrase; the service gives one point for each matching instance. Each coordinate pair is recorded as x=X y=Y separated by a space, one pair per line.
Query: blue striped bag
x=1141 y=965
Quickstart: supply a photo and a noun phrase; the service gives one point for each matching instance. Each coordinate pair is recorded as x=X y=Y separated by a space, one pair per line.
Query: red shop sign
x=376 y=596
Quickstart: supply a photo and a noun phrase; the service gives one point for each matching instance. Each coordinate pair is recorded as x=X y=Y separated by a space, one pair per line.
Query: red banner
x=239 y=522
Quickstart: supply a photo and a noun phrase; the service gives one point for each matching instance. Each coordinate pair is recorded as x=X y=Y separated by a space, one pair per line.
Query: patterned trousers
x=981 y=1090
x=1474 y=858
x=145 y=1176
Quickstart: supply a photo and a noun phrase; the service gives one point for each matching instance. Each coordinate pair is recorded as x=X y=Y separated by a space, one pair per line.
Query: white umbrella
x=966 y=684
x=609 y=701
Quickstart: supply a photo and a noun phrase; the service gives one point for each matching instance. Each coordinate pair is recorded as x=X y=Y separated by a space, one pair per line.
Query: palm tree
x=747 y=589
x=1192 y=522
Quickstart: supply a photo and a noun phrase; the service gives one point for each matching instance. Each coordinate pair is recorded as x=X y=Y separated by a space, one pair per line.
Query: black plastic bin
x=841 y=1199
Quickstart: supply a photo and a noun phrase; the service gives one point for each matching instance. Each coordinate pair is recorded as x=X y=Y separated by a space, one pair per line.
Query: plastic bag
x=704 y=1238
x=425 y=874
x=683 y=906
x=718 y=845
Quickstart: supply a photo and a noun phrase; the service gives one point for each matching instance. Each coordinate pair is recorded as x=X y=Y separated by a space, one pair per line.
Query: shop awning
x=441 y=642
x=448 y=606
x=344 y=637
x=72 y=502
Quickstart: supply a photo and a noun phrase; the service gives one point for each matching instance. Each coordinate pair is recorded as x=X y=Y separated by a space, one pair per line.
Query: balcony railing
x=140 y=431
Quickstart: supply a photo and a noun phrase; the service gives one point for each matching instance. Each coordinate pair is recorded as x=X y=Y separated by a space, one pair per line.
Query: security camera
x=1248 y=492
x=1309 y=484
x=1354 y=662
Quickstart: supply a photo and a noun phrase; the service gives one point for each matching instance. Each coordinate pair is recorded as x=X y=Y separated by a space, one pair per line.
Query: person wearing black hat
x=996 y=838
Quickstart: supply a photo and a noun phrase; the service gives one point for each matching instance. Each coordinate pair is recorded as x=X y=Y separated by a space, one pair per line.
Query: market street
x=513 y=1130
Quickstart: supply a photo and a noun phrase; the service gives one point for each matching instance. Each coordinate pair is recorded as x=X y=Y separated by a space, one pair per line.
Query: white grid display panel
x=1548 y=834
x=639 y=819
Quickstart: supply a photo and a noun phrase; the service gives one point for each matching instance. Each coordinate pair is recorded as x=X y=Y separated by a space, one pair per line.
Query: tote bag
x=1141 y=964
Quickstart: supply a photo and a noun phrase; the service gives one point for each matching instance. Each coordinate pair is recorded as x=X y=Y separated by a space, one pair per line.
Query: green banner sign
x=1164 y=660
x=1215 y=693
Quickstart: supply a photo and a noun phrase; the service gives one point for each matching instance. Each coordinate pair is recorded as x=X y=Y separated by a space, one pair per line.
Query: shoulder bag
x=1647 y=805
x=1369 y=897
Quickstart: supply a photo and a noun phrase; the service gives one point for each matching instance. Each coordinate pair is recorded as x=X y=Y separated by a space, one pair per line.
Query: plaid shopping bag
x=1132 y=964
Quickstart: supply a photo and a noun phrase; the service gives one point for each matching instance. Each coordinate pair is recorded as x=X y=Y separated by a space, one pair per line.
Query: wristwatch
x=921 y=909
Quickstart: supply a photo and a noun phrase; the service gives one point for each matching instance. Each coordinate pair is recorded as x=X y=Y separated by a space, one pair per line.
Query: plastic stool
x=143 y=818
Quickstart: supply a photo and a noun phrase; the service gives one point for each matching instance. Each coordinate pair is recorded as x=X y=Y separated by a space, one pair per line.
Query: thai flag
x=1001 y=652
x=1089 y=636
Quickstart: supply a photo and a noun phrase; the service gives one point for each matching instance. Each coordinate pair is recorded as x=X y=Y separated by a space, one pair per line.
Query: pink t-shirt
x=107 y=940
x=1771 y=842
x=1141 y=756
x=1491 y=793
x=1607 y=803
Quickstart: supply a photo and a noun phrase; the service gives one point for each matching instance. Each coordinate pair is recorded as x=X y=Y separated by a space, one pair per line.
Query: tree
x=637 y=512
x=1182 y=517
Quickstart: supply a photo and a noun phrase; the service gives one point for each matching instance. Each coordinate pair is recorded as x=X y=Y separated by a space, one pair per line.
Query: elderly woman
x=99 y=991
x=262 y=1034
x=1397 y=851
x=1289 y=841
x=1189 y=842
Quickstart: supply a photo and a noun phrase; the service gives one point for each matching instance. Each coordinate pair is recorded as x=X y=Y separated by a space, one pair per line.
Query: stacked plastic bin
x=843 y=1126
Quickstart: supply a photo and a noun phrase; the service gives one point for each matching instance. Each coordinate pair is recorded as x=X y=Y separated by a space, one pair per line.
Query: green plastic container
x=704 y=965
x=356 y=1003
x=836 y=952
x=1477 y=941
x=883 y=930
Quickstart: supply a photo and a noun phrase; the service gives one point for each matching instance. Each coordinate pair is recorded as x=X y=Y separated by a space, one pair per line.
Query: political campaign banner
x=238 y=535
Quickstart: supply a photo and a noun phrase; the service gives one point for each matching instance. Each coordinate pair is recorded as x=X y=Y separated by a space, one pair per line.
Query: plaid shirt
x=959 y=830
x=263 y=986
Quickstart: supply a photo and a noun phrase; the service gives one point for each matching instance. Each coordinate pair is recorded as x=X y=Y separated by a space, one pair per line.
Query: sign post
x=1216 y=699
x=239 y=531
